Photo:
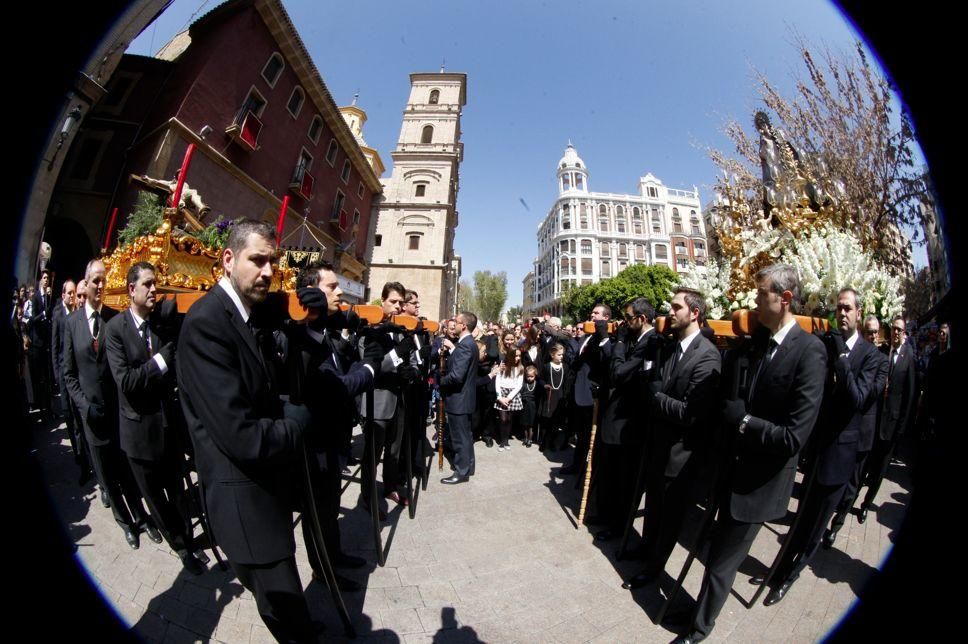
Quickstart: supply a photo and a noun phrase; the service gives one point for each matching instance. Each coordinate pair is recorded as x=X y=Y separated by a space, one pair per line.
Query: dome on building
x=571 y=158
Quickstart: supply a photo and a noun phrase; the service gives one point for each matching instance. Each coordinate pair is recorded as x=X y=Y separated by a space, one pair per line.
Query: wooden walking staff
x=588 y=465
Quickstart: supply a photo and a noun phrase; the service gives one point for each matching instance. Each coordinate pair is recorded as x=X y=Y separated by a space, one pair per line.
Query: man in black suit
x=586 y=368
x=142 y=365
x=63 y=308
x=38 y=353
x=867 y=443
x=858 y=371
x=625 y=425
x=387 y=433
x=88 y=380
x=681 y=430
x=247 y=441
x=769 y=427
x=329 y=389
x=896 y=413
x=459 y=389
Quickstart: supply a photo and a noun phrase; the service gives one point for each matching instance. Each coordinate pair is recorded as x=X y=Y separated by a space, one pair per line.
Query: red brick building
x=240 y=85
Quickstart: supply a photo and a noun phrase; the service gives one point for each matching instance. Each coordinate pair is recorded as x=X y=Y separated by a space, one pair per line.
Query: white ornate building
x=415 y=222
x=588 y=236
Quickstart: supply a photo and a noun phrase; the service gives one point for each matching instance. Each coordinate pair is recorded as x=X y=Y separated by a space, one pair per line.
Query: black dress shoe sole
x=454 y=480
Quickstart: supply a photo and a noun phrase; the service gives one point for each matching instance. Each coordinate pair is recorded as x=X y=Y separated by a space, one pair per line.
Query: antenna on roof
x=443 y=61
x=356 y=96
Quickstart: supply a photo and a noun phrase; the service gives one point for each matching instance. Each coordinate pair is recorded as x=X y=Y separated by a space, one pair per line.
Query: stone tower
x=415 y=221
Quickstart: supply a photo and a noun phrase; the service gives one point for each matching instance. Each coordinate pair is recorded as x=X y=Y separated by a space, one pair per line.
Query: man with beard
x=247 y=441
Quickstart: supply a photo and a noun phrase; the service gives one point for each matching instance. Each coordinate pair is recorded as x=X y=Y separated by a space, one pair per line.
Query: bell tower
x=415 y=222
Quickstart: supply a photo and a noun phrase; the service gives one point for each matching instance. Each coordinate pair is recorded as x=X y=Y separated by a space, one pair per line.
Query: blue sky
x=637 y=86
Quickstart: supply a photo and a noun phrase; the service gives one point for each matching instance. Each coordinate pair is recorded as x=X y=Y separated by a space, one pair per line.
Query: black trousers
x=162 y=489
x=617 y=470
x=462 y=438
x=850 y=492
x=581 y=426
x=731 y=543
x=875 y=468
x=40 y=366
x=279 y=598
x=818 y=508
x=113 y=473
x=666 y=501
x=326 y=479
x=388 y=439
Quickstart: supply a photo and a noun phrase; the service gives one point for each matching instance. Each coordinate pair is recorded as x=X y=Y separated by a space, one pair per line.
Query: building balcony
x=246 y=131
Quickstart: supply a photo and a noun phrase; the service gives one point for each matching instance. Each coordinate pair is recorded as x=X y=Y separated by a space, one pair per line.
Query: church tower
x=414 y=223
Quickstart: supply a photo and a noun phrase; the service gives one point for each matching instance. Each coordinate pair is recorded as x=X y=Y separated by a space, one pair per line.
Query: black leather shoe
x=453 y=479
x=862 y=516
x=641 y=579
x=829 y=537
x=201 y=556
x=153 y=533
x=758 y=580
x=105 y=499
x=344 y=560
x=776 y=594
x=605 y=535
x=132 y=538
x=689 y=638
x=191 y=563
x=489 y=442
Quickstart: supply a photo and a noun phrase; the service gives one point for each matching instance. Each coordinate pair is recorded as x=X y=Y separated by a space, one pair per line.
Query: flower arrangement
x=827 y=259
x=216 y=233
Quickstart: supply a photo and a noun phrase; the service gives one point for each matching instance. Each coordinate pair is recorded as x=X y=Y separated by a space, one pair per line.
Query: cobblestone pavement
x=497 y=560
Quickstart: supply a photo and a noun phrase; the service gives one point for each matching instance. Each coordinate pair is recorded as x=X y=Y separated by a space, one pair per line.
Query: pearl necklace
x=562 y=380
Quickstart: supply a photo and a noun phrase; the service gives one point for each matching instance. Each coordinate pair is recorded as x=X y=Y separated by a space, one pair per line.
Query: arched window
x=296 y=100
x=565 y=182
x=639 y=251
x=605 y=249
x=586 y=247
x=602 y=218
x=656 y=221
x=579 y=183
x=619 y=219
x=315 y=128
x=637 y=220
x=434 y=96
x=623 y=250
x=676 y=221
x=273 y=68
x=565 y=217
x=695 y=225
x=427 y=134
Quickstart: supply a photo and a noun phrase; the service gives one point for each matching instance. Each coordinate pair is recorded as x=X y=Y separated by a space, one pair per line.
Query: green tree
x=654 y=283
x=515 y=313
x=465 y=297
x=490 y=294
x=842 y=122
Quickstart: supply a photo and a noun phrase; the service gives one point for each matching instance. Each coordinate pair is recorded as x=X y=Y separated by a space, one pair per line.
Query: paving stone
x=403 y=597
x=401 y=621
x=232 y=631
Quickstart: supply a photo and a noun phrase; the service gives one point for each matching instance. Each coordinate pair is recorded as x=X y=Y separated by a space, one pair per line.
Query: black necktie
x=764 y=361
x=675 y=358
x=146 y=336
x=97 y=325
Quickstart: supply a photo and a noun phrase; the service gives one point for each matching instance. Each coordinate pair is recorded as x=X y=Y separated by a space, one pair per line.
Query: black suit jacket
x=87 y=375
x=631 y=368
x=850 y=417
x=245 y=450
x=143 y=391
x=902 y=386
x=783 y=409
x=459 y=384
x=330 y=387
x=682 y=410
x=38 y=326
x=58 y=319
